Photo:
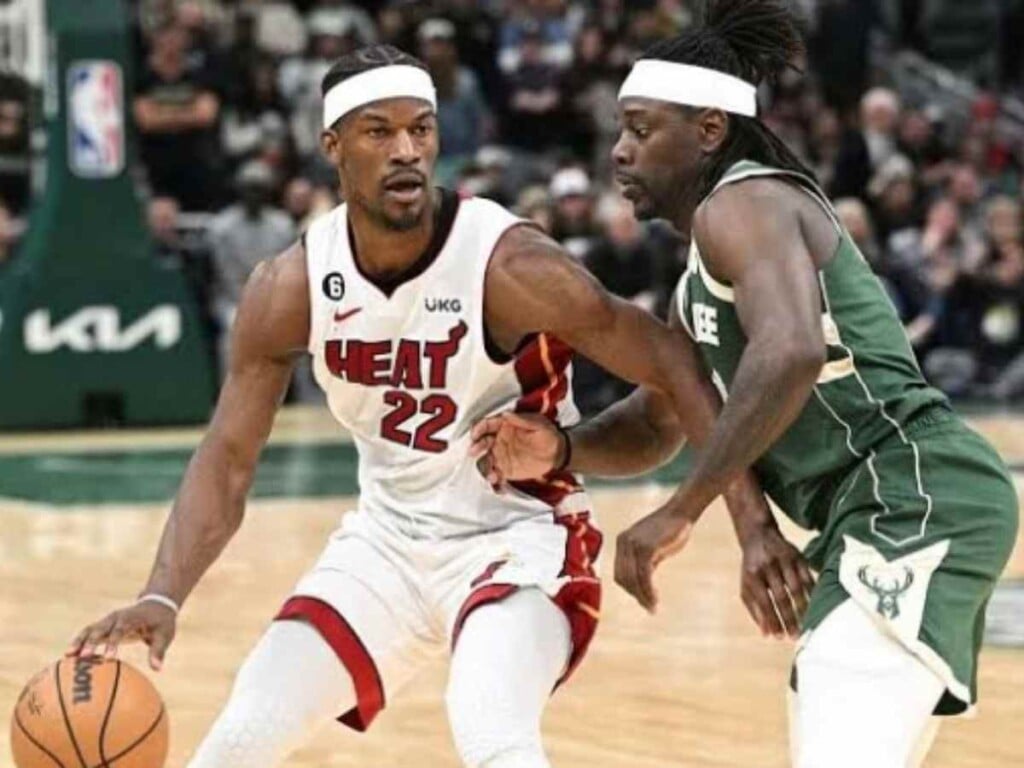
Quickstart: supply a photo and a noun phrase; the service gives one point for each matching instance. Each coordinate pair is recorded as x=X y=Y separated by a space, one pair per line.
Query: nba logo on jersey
x=96 y=119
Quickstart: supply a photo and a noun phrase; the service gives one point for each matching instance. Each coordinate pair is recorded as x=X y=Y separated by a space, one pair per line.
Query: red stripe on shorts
x=579 y=599
x=350 y=651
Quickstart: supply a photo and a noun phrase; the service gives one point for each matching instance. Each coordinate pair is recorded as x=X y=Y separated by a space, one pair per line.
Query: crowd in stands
x=227 y=110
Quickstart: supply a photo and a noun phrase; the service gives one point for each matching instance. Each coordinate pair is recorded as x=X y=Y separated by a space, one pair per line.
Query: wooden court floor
x=695 y=686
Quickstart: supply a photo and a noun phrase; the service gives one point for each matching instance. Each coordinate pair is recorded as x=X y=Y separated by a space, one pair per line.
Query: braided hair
x=754 y=40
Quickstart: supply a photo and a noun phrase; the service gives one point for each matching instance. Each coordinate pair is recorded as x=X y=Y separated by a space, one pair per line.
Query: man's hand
x=775 y=582
x=642 y=547
x=149 y=622
x=513 y=446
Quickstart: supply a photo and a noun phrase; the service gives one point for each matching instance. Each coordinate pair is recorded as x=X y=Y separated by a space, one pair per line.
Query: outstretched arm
x=270 y=333
x=533 y=286
x=539 y=288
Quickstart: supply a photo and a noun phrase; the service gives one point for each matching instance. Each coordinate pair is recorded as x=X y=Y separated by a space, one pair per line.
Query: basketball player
x=916 y=514
x=423 y=313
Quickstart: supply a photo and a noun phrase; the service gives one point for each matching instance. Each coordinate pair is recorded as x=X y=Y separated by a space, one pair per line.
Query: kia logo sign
x=98 y=329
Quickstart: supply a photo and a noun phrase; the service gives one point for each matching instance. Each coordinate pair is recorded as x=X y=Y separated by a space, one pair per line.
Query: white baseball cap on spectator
x=570 y=182
x=327 y=23
x=896 y=168
x=255 y=173
x=493 y=157
x=436 y=29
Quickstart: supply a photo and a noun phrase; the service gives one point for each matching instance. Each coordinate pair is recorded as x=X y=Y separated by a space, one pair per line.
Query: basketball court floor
x=695 y=686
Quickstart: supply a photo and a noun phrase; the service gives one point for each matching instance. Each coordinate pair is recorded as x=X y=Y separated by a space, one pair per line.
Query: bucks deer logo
x=888 y=594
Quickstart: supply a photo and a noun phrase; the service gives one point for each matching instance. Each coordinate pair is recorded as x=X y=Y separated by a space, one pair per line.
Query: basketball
x=89 y=712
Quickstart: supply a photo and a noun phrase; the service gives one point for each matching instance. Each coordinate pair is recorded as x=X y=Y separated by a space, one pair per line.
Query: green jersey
x=916 y=514
x=870 y=388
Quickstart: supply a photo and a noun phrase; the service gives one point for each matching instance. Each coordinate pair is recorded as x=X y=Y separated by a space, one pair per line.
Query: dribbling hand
x=148 y=622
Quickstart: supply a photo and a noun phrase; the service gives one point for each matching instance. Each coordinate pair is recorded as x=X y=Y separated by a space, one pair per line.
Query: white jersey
x=408 y=369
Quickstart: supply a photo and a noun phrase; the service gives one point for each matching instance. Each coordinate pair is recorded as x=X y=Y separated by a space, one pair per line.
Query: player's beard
x=404 y=222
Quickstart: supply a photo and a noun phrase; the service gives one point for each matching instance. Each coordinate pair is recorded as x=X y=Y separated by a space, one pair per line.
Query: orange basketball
x=89 y=713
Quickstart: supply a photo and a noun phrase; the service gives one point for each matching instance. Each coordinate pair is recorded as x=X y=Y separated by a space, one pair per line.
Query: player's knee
x=250 y=733
x=487 y=736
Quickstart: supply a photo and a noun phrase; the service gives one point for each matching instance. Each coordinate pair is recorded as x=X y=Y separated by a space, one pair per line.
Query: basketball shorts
x=388 y=604
x=917 y=535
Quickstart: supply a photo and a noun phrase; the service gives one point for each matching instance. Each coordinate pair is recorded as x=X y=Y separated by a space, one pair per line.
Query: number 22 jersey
x=408 y=368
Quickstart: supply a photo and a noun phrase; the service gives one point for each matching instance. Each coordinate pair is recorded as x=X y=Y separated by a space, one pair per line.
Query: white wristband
x=162 y=599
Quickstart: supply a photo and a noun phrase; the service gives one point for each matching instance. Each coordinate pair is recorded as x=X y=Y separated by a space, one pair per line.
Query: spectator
x=9 y=233
x=826 y=135
x=623 y=258
x=1001 y=283
x=492 y=174
x=476 y=37
x=547 y=27
x=279 y=28
x=325 y=199
x=257 y=115
x=880 y=119
x=177 y=112
x=628 y=262
x=461 y=110
x=966 y=191
x=866 y=146
x=574 y=224
x=853 y=170
x=893 y=194
x=203 y=53
x=592 y=87
x=344 y=14
x=331 y=35
x=243 y=54
x=534 y=203
x=536 y=101
x=857 y=220
x=162 y=216
x=298 y=202
x=190 y=255
x=14 y=142
x=243 y=235
x=926 y=266
x=999 y=286
x=918 y=140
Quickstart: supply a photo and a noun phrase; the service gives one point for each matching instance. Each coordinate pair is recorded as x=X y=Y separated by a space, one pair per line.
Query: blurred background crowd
x=908 y=110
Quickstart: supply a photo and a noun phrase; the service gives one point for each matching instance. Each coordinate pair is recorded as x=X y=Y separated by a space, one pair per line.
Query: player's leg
x=508 y=659
x=863 y=698
x=352 y=631
x=291 y=684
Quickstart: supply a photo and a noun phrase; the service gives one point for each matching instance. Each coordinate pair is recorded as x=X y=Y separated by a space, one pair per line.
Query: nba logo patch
x=96 y=119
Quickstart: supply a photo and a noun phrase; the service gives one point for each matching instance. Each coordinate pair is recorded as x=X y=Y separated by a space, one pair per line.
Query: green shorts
x=917 y=534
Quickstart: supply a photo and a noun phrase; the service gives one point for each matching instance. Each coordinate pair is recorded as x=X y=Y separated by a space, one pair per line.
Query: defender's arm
x=778 y=301
x=533 y=286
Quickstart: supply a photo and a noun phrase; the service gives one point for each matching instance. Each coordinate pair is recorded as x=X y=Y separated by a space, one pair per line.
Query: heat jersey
x=407 y=368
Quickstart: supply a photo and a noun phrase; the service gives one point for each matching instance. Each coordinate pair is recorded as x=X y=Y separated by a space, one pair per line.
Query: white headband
x=394 y=81
x=691 y=86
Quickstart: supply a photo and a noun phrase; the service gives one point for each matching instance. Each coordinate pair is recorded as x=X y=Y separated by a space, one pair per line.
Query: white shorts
x=388 y=604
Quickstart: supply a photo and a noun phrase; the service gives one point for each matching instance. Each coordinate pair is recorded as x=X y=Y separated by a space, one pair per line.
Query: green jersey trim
x=747 y=169
x=929 y=502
